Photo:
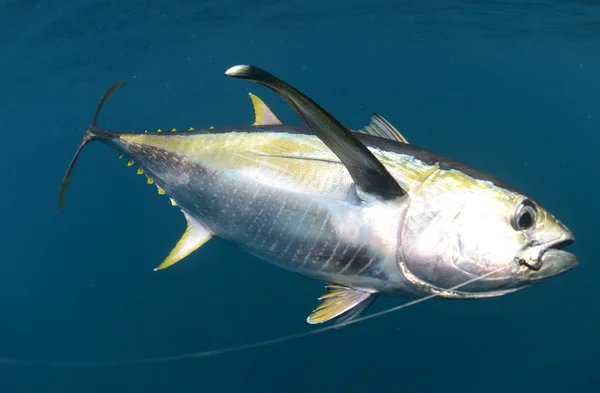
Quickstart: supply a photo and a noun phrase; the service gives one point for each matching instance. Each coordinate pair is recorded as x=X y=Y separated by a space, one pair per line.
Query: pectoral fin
x=369 y=175
x=194 y=236
x=341 y=302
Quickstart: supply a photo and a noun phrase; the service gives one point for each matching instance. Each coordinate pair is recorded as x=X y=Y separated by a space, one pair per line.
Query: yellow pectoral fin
x=341 y=302
x=194 y=236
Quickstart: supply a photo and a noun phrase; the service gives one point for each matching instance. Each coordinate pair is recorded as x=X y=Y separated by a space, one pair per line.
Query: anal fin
x=341 y=302
x=194 y=236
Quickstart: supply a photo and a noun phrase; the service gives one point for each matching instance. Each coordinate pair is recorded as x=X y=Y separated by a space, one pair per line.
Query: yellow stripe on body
x=277 y=153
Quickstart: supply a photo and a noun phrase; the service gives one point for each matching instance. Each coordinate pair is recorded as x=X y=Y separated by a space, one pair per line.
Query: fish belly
x=309 y=234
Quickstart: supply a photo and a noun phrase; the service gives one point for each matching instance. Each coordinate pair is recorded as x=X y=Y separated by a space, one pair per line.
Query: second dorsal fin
x=263 y=115
x=382 y=128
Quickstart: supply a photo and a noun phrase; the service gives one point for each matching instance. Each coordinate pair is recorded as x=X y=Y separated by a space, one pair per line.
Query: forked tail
x=91 y=132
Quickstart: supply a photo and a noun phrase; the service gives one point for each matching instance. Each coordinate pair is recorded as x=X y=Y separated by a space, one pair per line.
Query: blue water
x=512 y=88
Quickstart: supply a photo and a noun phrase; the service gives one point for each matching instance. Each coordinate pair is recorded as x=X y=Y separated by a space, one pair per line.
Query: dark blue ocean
x=512 y=88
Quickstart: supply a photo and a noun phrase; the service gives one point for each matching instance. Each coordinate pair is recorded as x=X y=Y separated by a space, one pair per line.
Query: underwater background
x=512 y=88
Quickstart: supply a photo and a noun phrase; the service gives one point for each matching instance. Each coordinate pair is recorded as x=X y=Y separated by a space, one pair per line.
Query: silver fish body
x=279 y=193
x=395 y=219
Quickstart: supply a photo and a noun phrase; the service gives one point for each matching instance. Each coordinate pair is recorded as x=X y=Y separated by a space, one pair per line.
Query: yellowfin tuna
x=362 y=210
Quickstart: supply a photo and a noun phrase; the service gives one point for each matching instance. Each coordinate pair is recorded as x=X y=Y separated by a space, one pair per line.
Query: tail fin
x=91 y=133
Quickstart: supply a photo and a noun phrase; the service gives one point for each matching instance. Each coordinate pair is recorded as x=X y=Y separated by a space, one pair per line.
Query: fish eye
x=525 y=215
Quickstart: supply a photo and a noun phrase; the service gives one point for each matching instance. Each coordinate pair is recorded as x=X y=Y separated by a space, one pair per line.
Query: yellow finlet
x=120 y=155
x=173 y=129
x=150 y=181
x=160 y=190
x=194 y=236
x=191 y=129
x=173 y=202
x=159 y=130
x=140 y=171
x=211 y=127
x=339 y=300
x=129 y=162
x=145 y=130
x=263 y=115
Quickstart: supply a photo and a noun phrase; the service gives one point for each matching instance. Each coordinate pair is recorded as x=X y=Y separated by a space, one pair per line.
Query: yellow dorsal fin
x=194 y=236
x=382 y=128
x=338 y=300
x=263 y=115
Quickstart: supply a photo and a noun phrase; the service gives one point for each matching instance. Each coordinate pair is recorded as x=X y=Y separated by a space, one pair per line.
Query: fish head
x=459 y=228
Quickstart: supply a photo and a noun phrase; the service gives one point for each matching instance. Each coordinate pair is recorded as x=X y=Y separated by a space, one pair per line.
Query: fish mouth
x=553 y=260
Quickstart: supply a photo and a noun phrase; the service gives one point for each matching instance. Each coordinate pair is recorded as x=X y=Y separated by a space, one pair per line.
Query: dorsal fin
x=263 y=115
x=370 y=176
x=342 y=302
x=382 y=128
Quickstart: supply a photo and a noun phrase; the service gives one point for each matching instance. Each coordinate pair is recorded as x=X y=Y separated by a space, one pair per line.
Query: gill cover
x=459 y=227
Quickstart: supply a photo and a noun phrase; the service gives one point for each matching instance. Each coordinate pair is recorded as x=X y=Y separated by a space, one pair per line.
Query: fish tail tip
x=109 y=92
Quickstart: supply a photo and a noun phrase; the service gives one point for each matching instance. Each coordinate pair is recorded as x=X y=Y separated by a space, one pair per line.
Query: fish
x=362 y=210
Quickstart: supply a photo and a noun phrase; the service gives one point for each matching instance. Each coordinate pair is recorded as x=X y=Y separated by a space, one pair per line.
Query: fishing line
x=237 y=348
